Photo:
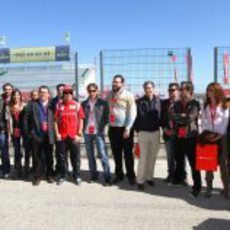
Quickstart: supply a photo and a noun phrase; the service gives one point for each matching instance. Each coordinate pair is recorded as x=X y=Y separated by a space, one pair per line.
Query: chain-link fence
x=162 y=66
x=221 y=66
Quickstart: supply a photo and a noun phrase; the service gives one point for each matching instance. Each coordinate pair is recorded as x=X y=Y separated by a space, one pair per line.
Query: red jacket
x=68 y=116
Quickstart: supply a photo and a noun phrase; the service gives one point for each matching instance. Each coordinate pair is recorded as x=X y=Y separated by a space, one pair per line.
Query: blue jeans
x=170 y=145
x=4 y=147
x=100 y=144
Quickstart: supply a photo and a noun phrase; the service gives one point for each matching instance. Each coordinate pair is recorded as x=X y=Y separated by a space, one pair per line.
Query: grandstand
x=30 y=76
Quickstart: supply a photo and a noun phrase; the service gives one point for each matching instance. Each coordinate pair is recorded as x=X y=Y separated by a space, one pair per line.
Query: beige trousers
x=149 y=146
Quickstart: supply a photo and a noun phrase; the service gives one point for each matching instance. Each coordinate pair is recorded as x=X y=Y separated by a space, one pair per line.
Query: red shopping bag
x=206 y=157
x=137 y=150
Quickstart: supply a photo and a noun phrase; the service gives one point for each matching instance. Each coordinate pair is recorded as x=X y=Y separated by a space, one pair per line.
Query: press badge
x=91 y=129
x=182 y=132
x=44 y=126
x=112 y=118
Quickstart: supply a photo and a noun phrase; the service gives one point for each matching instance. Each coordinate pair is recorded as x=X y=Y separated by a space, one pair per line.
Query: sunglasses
x=67 y=93
x=172 y=90
x=92 y=91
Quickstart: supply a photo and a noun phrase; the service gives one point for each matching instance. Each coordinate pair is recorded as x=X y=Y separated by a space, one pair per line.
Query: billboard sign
x=35 y=54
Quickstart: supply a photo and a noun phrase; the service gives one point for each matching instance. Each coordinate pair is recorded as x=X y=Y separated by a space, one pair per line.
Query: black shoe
x=117 y=180
x=50 y=180
x=150 y=182
x=184 y=183
x=93 y=180
x=60 y=181
x=141 y=187
x=36 y=181
x=207 y=194
x=77 y=181
x=132 y=182
x=107 y=183
x=168 y=179
x=179 y=183
x=225 y=193
x=6 y=176
x=19 y=174
x=195 y=193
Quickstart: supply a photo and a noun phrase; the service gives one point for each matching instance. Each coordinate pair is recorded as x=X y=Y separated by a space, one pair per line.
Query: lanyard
x=170 y=111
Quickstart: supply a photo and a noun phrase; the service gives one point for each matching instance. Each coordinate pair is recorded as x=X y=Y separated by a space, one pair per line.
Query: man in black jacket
x=4 y=142
x=147 y=125
x=41 y=129
x=53 y=103
x=168 y=126
x=186 y=112
x=27 y=141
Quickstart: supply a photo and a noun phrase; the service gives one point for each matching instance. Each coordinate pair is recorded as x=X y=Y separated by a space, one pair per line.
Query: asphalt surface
x=93 y=206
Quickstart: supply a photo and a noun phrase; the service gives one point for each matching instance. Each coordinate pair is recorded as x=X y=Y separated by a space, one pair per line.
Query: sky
x=115 y=24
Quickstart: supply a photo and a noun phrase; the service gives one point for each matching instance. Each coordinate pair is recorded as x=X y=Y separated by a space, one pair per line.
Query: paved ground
x=92 y=206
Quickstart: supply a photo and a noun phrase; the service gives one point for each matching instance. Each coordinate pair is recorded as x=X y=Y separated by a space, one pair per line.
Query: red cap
x=67 y=88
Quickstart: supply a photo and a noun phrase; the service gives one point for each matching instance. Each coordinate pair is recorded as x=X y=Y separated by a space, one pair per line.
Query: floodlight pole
x=189 y=64
x=76 y=76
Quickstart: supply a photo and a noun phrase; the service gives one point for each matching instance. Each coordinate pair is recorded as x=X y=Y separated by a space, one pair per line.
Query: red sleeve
x=81 y=114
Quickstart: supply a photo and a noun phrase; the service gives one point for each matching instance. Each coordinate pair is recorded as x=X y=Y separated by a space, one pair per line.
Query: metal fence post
x=215 y=64
x=189 y=64
x=101 y=72
x=76 y=75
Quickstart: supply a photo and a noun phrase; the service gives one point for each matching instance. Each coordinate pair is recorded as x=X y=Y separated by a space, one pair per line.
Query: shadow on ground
x=213 y=224
x=216 y=202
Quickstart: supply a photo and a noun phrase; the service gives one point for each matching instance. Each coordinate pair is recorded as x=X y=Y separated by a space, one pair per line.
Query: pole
x=189 y=64
x=215 y=64
x=101 y=72
x=76 y=76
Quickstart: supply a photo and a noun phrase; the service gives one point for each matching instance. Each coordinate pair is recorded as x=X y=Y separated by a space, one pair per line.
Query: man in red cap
x=68 y=128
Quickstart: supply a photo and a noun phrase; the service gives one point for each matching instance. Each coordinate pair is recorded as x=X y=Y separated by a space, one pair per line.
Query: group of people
x=46 y=125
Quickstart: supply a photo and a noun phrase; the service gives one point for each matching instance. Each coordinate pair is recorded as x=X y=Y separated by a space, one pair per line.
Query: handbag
x=207 y=156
